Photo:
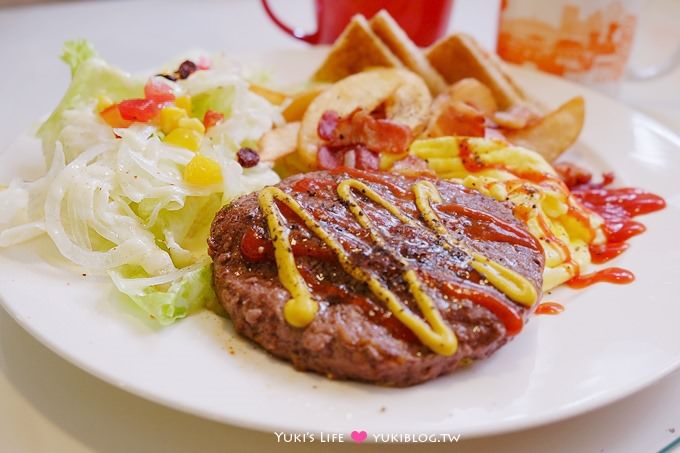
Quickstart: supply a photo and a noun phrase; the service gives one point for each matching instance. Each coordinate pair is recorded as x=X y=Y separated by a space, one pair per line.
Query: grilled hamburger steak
x=353 y=334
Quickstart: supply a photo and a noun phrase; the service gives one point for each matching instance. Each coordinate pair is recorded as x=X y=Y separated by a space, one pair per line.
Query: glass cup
x=588 y=41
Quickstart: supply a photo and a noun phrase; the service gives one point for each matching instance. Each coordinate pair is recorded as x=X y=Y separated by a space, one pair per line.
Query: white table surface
x=47 y=404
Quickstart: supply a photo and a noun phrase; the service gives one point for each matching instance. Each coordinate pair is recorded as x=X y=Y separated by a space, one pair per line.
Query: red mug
x=423 y=20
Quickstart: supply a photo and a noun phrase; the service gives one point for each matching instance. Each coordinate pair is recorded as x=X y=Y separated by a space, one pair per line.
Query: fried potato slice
x=555 y=132
x=300 y=101
x=279 y=142
x=473 y=92
x=461 y=110
x=274 y=97
x=404 y=96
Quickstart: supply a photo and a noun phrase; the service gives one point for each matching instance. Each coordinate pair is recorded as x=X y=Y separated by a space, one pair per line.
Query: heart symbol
x=359 y=436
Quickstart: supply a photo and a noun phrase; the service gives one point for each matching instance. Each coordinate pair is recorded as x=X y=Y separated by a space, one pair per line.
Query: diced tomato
x=366 y=159
x=158 y=90
x=111 y=116
x=212 y=118
x=328 y=159
x=139 y=110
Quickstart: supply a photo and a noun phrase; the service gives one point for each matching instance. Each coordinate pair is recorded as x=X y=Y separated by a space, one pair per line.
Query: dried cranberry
x=247 y=157
x=187 y=68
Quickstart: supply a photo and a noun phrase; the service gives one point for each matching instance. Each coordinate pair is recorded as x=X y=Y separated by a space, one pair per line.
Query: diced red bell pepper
x=139 y=110
x=212 y=118
x=159 y=91
x=111 y=116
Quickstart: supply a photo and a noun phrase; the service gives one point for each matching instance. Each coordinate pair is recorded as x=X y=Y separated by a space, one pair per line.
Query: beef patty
x=353 y=335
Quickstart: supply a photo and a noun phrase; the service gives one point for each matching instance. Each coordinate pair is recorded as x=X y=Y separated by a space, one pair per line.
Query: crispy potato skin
x=555 y=132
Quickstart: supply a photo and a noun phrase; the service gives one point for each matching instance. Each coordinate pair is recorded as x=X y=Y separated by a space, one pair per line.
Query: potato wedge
x=404 y=95
x=279 y=142
x=555 y=132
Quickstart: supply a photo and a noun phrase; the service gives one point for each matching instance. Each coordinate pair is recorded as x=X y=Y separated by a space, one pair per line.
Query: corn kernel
x=192 y=123
x=202 y=171
x=103 y=102
x=184 y=102
x=185 y=138
x=170 y=118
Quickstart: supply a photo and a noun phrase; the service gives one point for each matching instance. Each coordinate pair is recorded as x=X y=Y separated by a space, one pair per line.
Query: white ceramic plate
x=610 y=341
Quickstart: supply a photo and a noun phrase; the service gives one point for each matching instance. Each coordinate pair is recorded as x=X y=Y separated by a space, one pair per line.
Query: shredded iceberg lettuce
x=114 y=200
x=91 y=77
x=168 y=297
x=77 y=52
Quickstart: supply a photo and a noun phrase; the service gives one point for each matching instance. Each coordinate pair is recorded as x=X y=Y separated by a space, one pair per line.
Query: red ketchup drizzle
x=510 y=318
x=489 y=228
x=602 y=253
x=473 y=164
x=609 y=275
x=549 y=308
x=255 y=248
x=373 y=311
x=312 y=184
x=618 y=207
x=376 y=178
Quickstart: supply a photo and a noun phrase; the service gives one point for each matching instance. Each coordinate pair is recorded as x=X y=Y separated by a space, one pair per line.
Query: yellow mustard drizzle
x=514 y=285
x=301 y=309
x=433 y=332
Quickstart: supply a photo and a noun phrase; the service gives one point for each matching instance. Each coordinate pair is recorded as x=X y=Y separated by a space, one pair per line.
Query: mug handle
x=312 y=38
x=654 y=71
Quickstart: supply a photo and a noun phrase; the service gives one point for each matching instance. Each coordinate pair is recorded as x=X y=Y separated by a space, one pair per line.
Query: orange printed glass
x=588 y=41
